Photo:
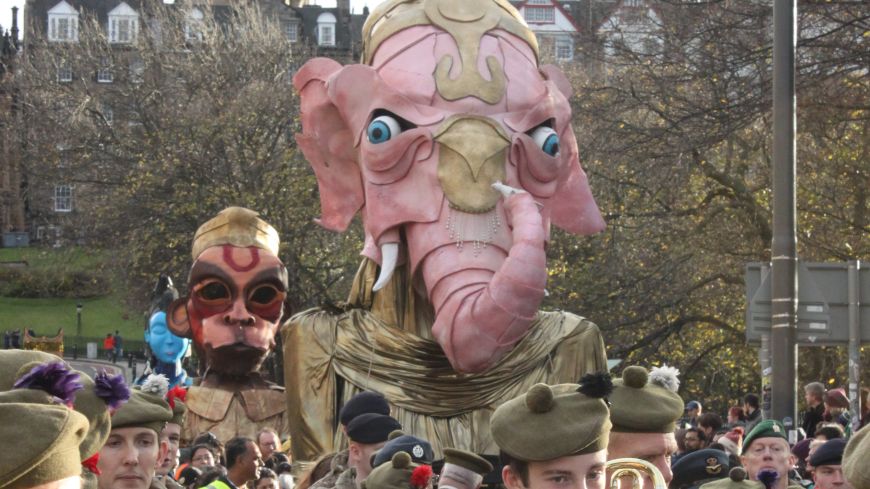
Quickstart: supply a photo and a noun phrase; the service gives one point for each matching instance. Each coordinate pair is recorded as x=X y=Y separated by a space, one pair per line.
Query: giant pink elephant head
x=449 y=104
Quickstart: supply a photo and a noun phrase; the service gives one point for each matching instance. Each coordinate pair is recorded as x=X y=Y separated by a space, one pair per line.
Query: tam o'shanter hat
x=46 y=438
x=399 y=473
x=855 y=466
x=175 y=398
x=467 y=460
x=146 y=407
x=646 y=402
x=737 y=479
x=524 y=427
x=236 y=226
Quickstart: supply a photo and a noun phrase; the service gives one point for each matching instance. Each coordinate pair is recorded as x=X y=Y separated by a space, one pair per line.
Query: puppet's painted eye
x=383 y=128
x=212 y=291
x=546 y=139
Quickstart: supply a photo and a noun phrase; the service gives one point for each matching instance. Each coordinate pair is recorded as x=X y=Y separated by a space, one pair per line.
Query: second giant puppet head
x=236 y=291
x=167 y=347
x=450 y=102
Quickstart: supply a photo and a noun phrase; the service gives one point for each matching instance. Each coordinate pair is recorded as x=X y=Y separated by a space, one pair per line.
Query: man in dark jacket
x=814 y=393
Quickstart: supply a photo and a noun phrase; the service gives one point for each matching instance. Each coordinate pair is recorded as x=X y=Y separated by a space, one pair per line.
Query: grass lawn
x=100 y=315
x=42 y=258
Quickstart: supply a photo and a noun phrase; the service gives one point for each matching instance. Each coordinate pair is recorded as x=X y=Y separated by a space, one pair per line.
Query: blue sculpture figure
x=167 y=349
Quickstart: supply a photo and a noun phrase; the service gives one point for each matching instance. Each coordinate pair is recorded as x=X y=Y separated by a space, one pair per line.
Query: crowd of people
x=826 y=418
x=66 y=430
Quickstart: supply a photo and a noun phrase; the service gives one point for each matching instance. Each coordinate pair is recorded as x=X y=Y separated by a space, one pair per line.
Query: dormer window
x=193 y=25
x=326 y=29
x=63 y=23
x=123 y=24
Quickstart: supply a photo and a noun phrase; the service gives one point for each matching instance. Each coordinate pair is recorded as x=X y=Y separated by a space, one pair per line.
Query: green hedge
x=44 y=283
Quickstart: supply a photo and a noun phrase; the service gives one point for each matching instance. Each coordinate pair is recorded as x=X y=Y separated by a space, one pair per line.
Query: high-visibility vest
x=218 y=484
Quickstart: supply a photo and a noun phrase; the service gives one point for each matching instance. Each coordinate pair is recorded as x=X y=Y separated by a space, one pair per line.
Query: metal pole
x=854 y=343
x=784 y=247
x=78 y=330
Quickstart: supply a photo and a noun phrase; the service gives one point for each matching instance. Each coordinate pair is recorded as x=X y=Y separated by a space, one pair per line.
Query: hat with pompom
x=737 y=479
x=147 y=407
x=399 y=473
x=646 y=402
x=548 y=422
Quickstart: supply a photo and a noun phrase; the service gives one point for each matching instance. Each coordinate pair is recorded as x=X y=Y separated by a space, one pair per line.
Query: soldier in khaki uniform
x=644 y=410
x=43 y=440
x=766 y=451
x=555 y=437
x=367 y=434
x=130 y=456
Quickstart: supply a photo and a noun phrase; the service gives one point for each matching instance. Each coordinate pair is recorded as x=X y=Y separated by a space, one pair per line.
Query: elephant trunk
x=485 y=303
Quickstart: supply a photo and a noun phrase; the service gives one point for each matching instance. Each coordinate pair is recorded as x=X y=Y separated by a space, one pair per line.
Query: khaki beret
x=143 y=410
x=46 y=439
x=399 y=473
x=15 y=363
x=523 y=427
x=737 y=479
x=467 y=460
x=646 y=402
x=855 y=466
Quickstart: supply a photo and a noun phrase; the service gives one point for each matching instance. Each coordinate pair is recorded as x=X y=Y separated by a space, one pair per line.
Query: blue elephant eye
x=382 y=129
x=546 y=139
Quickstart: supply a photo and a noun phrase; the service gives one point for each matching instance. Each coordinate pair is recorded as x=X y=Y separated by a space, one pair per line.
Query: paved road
x=92 y=367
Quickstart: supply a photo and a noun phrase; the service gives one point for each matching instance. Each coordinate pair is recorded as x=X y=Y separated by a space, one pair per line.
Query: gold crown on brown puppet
x=236 y=226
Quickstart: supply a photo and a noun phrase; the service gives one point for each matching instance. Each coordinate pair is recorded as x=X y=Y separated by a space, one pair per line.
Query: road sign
x=823 y=303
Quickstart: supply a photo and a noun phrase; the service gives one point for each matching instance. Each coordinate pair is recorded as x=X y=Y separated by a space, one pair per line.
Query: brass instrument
x=635 y=469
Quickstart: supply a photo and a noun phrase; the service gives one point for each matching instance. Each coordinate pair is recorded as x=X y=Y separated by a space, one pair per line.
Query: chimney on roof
x=15 y=26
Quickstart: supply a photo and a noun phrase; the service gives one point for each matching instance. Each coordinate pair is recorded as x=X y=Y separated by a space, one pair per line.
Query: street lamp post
x=79 y=308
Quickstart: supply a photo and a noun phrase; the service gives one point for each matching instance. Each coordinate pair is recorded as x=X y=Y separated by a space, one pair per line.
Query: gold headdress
x=236 y=226
x=466 y=21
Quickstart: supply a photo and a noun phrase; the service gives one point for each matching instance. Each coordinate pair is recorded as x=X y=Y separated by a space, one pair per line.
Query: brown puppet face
x=235 y=298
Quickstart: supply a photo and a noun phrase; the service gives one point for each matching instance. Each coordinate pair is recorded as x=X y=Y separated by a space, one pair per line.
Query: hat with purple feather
x=95 y=399
x=147 y=407
x=36 y=411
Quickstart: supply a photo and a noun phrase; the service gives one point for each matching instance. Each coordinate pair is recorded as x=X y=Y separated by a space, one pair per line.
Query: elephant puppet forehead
x=408 y=62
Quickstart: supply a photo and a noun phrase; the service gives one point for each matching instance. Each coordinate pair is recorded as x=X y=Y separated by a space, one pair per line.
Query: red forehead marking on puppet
x=228 y=258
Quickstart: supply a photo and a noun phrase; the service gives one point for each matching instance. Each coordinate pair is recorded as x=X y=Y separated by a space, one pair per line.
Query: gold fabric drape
x=374 y=344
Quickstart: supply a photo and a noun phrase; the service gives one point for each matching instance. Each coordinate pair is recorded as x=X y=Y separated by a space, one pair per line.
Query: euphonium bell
x=635 y=469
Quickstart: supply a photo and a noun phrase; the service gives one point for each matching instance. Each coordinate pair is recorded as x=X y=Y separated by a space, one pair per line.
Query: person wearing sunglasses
x=232 y=310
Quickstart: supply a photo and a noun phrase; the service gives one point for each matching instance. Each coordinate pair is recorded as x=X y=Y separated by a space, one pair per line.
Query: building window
x=633 y=3
x=540 y=15
x=291 y=30
x=326 y=29
x=193 y=25
x=108 y=113
x=564 y=49
x=63 y=23
x=123 y=24
x=137 y=70
x=104 y=72
x=63 y=198
x=64 y=72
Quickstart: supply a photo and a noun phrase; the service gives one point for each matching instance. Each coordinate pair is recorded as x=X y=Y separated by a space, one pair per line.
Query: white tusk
x=389 y=256
x=546 y=293
x=505 y=190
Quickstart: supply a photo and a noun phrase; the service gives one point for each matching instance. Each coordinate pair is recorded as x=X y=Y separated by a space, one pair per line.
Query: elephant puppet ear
x=557 y=76
x=328 y=144
x=177 y=318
